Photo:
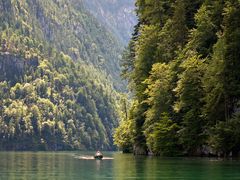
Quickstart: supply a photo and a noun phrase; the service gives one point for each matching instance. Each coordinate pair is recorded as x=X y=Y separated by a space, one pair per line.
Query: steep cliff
x=118 y=15
x=13 y=67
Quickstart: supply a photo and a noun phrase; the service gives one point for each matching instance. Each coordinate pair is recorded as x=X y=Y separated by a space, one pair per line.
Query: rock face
x=139 y=150
x=118 y=15
x=12 y=67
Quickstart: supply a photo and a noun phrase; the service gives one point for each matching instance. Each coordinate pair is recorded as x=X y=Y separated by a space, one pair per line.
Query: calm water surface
x=67 y=165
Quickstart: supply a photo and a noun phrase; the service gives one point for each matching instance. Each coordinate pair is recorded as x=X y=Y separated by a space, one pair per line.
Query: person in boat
x=98 y=155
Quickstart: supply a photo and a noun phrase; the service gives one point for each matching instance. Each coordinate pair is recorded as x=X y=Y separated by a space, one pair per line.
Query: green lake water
x=67 y=165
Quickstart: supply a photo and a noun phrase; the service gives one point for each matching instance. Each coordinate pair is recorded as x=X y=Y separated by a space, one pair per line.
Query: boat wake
x=91 y=158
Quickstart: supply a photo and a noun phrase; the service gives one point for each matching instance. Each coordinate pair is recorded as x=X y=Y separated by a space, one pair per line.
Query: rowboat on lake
x=98 y=155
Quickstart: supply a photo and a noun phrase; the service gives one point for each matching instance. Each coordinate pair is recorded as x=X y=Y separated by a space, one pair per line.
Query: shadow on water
x=130 y=167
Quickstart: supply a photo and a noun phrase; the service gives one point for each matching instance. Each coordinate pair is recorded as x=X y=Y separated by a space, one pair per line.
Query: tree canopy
x=183 y=67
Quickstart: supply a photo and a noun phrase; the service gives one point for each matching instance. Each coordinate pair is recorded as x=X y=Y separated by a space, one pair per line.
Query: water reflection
x=98 y=165
x=16 y=165
x=124 y=166
x=63 y=166
x=130 y=167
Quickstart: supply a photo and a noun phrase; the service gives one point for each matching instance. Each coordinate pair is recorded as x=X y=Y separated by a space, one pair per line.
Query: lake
x=67 y=165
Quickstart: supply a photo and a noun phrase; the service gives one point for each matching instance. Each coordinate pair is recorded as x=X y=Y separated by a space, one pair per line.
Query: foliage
x=123 y=136
x=54 y=92
x=185 y=63
x=61 y=25
x=226 y=137
x=164 y=139
x=159 y=96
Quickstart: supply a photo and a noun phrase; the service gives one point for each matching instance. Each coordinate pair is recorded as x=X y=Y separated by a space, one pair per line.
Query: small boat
x=98 y=155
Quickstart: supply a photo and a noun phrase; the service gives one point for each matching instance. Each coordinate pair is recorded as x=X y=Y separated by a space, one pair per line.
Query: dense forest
x=65 y=26
x=182 y=65
x=59 y=77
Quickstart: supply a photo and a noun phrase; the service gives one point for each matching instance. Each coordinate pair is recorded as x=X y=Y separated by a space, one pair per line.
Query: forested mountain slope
x=183 y=68
x=66 y=26
x=59 y=67
x=118 y=15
